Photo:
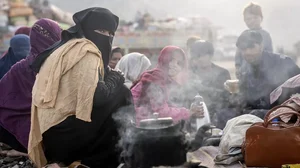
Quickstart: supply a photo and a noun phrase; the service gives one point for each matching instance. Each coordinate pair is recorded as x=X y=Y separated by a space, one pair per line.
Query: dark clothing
x=226 y=114
x=267 y=40
x=222 y=116
x=87 y=21
x=256 y=83
x=267 y=43
x=8 y=139
x=259 y=113
x=18 y=50
x=210 y=85
x=94 y=143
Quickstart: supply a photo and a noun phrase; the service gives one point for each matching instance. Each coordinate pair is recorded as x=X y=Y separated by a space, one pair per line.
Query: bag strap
x=267 y=116
x=267 y=121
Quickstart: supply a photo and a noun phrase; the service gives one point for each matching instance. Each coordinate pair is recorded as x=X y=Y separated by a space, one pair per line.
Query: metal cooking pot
x=159 y=142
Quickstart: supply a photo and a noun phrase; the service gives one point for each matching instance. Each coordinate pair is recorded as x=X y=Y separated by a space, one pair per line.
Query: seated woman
x=152 y=92
x=18 y=50
x=116 y=55
x=16 y=87
x=133 y=65
x=75 y=96
x=22 y=30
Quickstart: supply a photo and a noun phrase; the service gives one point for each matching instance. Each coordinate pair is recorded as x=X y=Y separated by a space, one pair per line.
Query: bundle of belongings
x=229 y=153
x=230 y=148
x=249 y=141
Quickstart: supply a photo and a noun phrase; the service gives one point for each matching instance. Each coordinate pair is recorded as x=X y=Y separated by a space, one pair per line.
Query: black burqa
x=87 y=21
x=93 y=143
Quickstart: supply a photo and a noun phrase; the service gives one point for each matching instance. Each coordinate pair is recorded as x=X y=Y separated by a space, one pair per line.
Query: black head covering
x=86 y=22
x=93 y=19
x=248 y=38
x=201 y=48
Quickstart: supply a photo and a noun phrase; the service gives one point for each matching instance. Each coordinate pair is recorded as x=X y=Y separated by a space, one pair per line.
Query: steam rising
x=125 y=117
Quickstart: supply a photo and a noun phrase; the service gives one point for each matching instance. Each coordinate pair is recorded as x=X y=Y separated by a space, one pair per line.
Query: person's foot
x=12 y=153
x=3 y=147
x=54 y=165
x=77 y=164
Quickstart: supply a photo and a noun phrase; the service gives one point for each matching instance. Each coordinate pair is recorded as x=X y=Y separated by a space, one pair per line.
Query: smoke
x=125 y=118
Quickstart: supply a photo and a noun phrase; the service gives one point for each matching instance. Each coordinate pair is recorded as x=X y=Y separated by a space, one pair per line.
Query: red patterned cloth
x=294 y=101
x=290 y=83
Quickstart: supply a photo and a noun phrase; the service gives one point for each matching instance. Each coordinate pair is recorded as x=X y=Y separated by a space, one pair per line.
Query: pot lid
x=155 y=122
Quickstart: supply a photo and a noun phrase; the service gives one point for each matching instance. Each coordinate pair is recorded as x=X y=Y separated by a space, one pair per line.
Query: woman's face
x=176 y=65
x=115 y=58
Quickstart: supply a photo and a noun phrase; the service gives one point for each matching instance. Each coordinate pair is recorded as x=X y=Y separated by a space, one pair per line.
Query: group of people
x=60 y=88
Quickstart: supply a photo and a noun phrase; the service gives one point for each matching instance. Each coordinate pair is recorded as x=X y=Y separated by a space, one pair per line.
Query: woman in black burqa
x=109 y=98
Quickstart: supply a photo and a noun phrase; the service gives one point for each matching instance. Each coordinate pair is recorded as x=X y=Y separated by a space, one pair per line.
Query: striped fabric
x=290 y=83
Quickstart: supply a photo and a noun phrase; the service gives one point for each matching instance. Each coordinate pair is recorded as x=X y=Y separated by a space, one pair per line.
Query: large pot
x=159 y=142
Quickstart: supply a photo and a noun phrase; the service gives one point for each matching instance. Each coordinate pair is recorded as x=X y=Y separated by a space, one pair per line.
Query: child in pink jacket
x=151 y=92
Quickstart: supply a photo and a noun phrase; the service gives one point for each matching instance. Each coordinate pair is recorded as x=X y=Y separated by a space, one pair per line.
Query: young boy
x=253 y=18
